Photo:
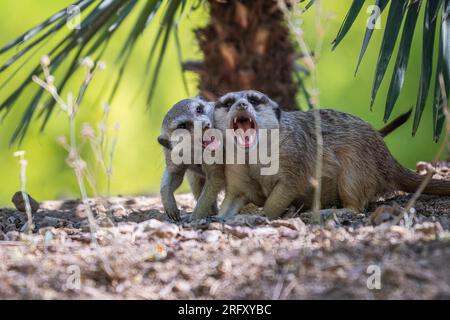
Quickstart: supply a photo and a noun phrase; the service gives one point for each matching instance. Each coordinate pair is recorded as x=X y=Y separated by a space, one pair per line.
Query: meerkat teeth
x=241 y=140
x=235 y=120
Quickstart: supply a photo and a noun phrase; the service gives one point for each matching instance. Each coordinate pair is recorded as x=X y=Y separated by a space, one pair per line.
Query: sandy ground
x=139 y=254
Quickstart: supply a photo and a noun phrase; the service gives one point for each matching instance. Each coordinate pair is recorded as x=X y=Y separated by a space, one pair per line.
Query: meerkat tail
x=394 y=124
x=410 y=181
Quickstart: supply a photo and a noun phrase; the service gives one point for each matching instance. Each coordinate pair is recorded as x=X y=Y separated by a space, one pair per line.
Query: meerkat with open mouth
x=183 y=117
x=357 y=166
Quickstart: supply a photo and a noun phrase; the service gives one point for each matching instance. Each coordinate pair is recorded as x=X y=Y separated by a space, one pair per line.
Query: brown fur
x=357 y=166
x=204 y=188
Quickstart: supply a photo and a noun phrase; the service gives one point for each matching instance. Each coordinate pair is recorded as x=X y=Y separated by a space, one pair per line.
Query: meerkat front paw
x=173 y=214
x=200 y=213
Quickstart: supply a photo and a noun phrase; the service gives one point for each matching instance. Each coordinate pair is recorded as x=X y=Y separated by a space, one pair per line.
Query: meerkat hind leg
x=278 y=201
x=231 y=205
x=197 y=182
x=207 y=201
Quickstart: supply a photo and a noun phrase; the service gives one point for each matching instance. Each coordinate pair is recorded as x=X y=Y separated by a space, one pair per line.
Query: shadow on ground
x=138 y=253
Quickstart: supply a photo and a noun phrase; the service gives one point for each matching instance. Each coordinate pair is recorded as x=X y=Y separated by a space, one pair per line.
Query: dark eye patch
x=200 y=109
x=226 y=103
x=254 y=100
x=183 y=125
x=164 y=142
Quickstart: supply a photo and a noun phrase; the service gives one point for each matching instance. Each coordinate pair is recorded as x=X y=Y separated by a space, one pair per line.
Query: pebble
x=188 y=234
x=240 y=232
x=265 y=232
x=19 y=202
x=211 y=235
x=160 y=229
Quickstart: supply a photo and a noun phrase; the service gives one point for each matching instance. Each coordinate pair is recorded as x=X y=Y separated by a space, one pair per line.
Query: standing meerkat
x=357 y=166
x=183 y=115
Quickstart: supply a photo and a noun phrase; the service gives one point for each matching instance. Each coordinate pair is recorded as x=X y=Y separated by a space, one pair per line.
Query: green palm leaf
x=402 y=58
x=394 y=21
x=429 y=30
x=393 y=27
x=348 y=21
x=91 y=38
x=381 y=4
x=442 y=71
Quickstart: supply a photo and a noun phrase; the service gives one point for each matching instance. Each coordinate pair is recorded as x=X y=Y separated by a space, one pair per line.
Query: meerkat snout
x=242 y=105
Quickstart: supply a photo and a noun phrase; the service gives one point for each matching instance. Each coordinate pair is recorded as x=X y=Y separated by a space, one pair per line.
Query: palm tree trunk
x=246 y=45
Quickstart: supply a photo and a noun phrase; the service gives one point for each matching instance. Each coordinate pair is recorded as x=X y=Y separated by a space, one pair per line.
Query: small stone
x=161 y=229
x=189 y=234
x=423 y=167
x=13 y=236
x=211 y=235
x=223 y=267
x=19 y=202
x=156 y=253
x=288 y=233
x=126 y=227
x=240 y=232
x=428 y=229
x=265 y=232
x=182 y=286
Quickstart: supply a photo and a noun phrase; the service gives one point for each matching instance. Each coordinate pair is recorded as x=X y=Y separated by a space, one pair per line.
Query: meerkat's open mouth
x=245 y=128
x=209 y=141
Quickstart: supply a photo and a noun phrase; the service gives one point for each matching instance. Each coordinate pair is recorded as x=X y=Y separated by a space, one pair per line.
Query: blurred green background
x=138 y=161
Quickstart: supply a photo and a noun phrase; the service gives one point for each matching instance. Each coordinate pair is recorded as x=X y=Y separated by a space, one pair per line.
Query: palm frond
x=352 y=14
x=91 y=38
x=402 y=18
x=394 y=21
x=381 y=5
x=402 y=58
x=429 y=31
x=442 y=71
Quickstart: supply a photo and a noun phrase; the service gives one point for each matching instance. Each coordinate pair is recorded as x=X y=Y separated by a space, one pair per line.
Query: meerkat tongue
x=213 y=144
x=210 y=142
x=244 y=128
x=247 y=138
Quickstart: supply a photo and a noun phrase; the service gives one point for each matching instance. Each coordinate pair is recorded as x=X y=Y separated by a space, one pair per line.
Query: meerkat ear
x=276 y=109
x=164 y=142
x=202 y=98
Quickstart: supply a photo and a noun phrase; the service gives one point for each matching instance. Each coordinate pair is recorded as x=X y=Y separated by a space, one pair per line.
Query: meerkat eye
x=254 y=101
x=199 y=109
x=228 y=103
x=182 y=125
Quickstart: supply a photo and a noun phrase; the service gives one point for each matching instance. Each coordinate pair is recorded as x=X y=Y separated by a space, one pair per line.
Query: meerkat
x=356 y=164
x=183 y=115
